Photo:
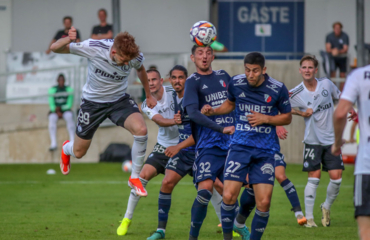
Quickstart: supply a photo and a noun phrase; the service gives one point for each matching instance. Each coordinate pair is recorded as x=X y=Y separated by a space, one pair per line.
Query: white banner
x=36 y=82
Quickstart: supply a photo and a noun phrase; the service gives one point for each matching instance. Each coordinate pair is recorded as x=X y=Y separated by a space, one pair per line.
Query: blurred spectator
x=103 y=30
x=218 y=47
x=60 y=107
x=67 y=22
x=337 y=46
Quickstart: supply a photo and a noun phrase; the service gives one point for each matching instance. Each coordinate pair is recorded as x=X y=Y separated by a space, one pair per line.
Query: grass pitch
x=89 y=202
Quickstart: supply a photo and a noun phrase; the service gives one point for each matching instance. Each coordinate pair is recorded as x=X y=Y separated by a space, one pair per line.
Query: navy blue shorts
x=209 y=164
x=258 y=164
x=182 y=163
x=279 y=160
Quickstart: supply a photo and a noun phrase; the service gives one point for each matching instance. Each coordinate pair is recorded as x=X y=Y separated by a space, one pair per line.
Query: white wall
x=321 y=14
x=36 y=22
x=160 y=26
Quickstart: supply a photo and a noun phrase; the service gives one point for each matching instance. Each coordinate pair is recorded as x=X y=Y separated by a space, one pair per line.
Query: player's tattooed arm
x=62 y=45
x=256 y=119
x=308 y=112
x=225 y=108
x=173 y=150
x=165 y=122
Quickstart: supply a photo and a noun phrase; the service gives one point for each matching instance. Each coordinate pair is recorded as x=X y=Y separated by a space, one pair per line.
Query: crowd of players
x=222 y=130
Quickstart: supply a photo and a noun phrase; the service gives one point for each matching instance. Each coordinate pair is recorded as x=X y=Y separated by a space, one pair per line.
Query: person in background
x=67 y=22
x=337 y=47
x=60 y=107
x=103 y=30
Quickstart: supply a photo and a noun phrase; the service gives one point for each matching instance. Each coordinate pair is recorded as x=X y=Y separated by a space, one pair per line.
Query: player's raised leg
x=290 y=191
x=77 y=149
x=135 y=124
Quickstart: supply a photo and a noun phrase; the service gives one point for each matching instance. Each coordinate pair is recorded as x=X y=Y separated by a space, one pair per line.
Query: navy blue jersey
x=212 y=90
x=270 y=98
x=184 y=128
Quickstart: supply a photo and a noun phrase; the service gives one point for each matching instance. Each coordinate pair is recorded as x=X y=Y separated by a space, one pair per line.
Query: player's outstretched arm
x=225 y=108
x=150 y=100
x=196 y=116
x=256 y=119
x=173 y=150
x=62 y=45
x=165 y=122
x=308 y=112
x=339 y=121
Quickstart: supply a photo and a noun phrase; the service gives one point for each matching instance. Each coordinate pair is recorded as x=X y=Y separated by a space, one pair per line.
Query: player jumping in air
x=104 y=96
x=357 y=88
x=206 y=86
x=257 y=100
x=314 y=98
x=164 y=116
x=182 y=157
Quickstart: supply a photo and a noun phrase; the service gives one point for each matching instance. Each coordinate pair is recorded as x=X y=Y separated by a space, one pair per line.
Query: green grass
x=89 y=202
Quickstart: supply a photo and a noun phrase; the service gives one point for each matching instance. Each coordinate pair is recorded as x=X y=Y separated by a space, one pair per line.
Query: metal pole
x=116 y=17
x=360 y=33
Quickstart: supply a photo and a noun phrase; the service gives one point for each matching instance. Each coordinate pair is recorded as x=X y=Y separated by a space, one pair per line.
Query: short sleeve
x=94 y=30
x=150 y=112
x=351 y=88
x=283 y=104
x=335 y=92
x=56 y=36
x=138 y=61
x=230 y=91
x=78 y=34
x=82 y=49
x=294 y=99
x=191 y=93
x=346 y=39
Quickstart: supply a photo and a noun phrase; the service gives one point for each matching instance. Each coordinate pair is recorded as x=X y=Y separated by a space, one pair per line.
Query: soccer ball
x=203 y=33
x=127 y=166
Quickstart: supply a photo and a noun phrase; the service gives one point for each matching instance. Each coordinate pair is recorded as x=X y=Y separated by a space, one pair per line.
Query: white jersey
x=106 y=81
x=357 y=88
x=167 y=136
x=319 y=126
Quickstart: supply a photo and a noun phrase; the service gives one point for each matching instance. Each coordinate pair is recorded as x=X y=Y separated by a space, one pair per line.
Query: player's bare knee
x=168 y=184
x=280 y=177
x=229 y=198
x=264 y=204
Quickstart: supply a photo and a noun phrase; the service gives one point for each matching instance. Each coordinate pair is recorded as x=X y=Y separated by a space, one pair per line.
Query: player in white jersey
x=357 y=88
x=314 y=98
x=168 y=135
x=103 y=96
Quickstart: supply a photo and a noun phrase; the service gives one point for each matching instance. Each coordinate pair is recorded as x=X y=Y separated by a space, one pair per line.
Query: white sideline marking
x=125 y=182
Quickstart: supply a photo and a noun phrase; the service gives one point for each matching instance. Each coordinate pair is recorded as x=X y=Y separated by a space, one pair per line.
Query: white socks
x=138 y=155
x=68 y=117
x=68 y=149
x=310 y=195
x=332 y=192
x=133 y=200
x=53 y=119
x=216 y=201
